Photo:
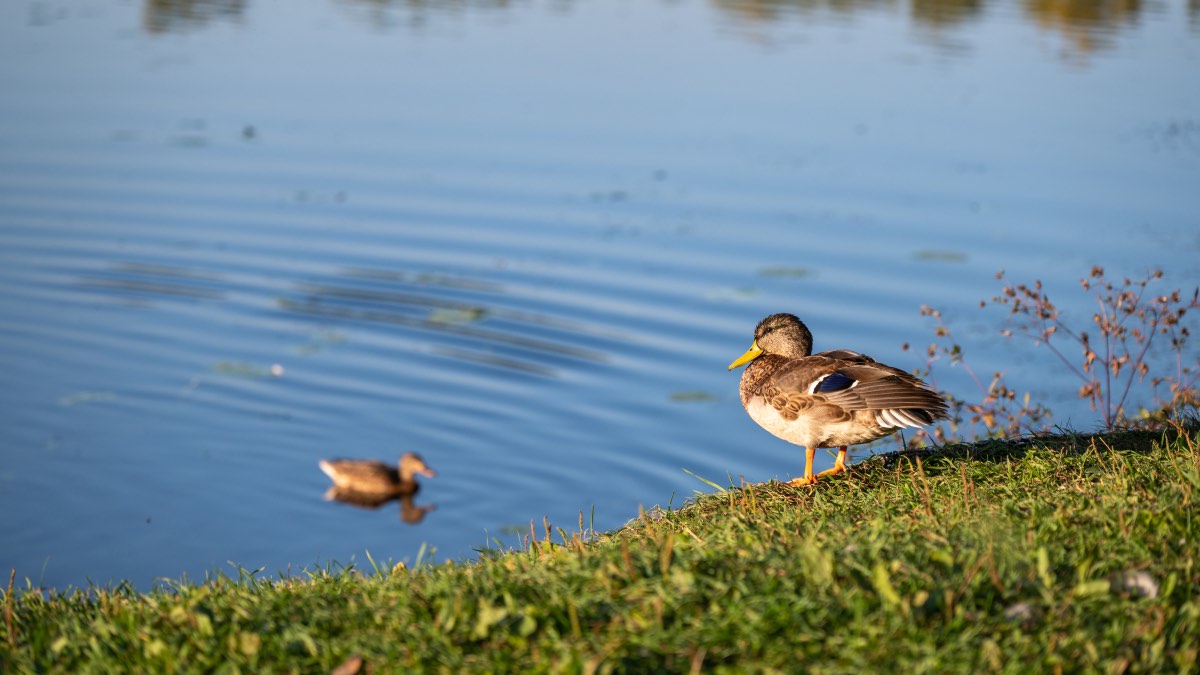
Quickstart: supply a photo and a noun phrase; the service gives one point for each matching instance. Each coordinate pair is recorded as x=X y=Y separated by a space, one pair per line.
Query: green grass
x=1072 y=553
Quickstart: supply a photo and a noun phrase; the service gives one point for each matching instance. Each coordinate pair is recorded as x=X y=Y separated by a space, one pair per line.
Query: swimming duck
x=376 y=478
x=832 y=399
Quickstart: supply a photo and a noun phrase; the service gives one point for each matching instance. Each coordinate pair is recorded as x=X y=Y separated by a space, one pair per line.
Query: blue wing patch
x=834 y=382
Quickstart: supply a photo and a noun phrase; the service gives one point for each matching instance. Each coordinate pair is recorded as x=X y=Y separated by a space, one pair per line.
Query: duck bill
x=428 y=473
x=753 y=353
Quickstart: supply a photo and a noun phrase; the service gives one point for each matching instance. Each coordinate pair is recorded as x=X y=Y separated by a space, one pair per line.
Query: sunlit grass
x=1071 y=552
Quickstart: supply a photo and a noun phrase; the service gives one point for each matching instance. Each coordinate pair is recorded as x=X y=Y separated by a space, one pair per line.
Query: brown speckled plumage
x=371 y=477
x=832 y=399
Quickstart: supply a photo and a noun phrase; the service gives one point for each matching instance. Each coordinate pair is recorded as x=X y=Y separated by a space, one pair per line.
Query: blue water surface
x=524 y=239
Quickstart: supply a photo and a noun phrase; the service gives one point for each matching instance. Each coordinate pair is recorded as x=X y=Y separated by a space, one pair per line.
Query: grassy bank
x=1070 y=552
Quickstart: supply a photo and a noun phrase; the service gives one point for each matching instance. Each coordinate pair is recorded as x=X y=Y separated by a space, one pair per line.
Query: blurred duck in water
x=374 y=478
x=370 y=484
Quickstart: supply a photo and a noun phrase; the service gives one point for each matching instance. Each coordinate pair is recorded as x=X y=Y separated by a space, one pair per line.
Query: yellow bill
x=753 y=353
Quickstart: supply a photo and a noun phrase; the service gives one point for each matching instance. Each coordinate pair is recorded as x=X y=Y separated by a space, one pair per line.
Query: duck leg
x=810 y=451
x=839 y=464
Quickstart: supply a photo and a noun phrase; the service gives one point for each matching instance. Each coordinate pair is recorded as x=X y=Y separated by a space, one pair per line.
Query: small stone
x=1019 y=612
x=1137 y=583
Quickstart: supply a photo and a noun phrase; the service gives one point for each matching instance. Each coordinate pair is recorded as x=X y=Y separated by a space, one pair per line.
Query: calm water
x=523 y=239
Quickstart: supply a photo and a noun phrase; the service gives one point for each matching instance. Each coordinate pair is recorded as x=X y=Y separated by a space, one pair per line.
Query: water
x=523 y=239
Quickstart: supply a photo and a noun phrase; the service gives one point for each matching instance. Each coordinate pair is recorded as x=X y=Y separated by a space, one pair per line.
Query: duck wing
x=851 y=382
x=360 y=474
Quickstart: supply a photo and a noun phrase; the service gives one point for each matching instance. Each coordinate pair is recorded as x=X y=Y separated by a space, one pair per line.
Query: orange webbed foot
x=839 y=464
x=835 y=470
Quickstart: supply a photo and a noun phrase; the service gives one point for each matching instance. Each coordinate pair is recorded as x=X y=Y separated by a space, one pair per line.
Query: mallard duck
x=371 y=477
x=834 y=399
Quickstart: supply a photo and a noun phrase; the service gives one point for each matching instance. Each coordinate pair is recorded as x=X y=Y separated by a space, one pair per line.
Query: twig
x=693 y=535
x=1107 y=329
x=1067 y=362
x=1140 y=358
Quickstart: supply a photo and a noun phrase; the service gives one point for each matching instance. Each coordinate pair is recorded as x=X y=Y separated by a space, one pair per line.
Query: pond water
x=525 y=240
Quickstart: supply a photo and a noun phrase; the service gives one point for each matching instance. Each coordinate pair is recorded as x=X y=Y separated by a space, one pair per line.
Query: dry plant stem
x=1109 y=344
x=1128 y=322
x=995 y=408
x=1129 y=381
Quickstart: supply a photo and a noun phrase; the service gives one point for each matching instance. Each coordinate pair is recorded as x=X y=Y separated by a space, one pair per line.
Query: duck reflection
x=164 y=16
x=410 y=512
x=370 y=484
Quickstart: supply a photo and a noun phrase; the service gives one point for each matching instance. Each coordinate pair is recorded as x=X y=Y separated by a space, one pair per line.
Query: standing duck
x=371 y=477
x=832 y=399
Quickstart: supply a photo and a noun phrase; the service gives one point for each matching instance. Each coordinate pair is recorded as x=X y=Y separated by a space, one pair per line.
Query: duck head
x=411 y=464
x=780 y=334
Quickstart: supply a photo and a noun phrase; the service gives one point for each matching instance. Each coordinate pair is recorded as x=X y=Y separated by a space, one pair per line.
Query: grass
x=1071 y=553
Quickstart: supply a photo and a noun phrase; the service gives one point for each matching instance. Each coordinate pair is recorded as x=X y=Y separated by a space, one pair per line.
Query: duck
x=374 y=478
x=832 y=399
